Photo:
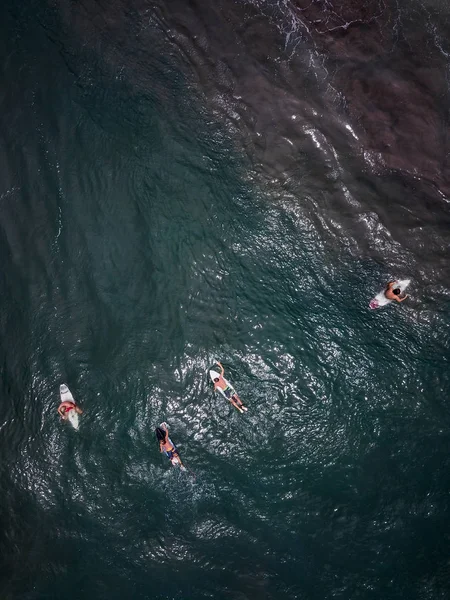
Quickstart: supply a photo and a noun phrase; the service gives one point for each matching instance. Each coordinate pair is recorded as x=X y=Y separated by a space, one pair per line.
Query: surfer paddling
x=393 y=292
x=68 y=409
x=167 y=446
x=65 y=407
x=226 y=389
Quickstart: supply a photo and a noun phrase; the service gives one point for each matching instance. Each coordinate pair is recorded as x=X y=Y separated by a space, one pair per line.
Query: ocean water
x=189 y=181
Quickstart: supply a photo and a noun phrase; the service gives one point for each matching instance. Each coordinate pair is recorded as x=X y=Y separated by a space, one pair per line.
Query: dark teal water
x=185 y=182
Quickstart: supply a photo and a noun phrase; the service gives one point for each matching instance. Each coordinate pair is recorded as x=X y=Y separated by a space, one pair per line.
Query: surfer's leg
x=241 y=404
x=237 y=399
x=234 y=403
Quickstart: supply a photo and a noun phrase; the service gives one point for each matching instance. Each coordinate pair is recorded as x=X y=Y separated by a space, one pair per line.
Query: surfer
x=394 y=293
x=65 y=407
x=225 y=388
x=166 y=445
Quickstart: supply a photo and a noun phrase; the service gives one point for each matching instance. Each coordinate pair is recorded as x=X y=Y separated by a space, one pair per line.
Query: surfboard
x=230 y=389
x=66 y=396
x=381 y=300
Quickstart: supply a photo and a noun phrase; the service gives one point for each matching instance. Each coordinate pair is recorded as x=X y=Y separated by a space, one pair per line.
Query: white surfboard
x=381 y=300
x=66 y=396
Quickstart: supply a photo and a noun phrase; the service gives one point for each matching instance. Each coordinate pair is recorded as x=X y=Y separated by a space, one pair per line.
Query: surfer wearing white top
x=393 y=293
x=226 y=389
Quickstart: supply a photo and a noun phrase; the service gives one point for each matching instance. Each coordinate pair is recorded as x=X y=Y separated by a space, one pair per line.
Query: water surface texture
x=189 y=180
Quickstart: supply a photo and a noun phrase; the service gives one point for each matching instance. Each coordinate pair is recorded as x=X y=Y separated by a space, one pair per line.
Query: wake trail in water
x=53 y=165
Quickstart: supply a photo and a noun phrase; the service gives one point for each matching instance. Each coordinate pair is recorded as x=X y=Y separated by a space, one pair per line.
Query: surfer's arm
x=401 y=299
x=78 y=409
x=221 y=369
x=62 y=413
x=163 y=443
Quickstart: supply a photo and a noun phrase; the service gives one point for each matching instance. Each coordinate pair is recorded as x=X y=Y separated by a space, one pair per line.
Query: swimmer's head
x=216 y=380
x=396 y=291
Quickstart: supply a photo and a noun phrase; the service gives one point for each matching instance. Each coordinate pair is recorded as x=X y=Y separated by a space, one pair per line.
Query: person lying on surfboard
x=226 y=390
x=65 y=407
x=393 y=293
x=166 y=445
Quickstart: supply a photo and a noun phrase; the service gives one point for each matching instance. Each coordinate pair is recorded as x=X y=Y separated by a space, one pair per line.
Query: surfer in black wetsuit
x=394 y=293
